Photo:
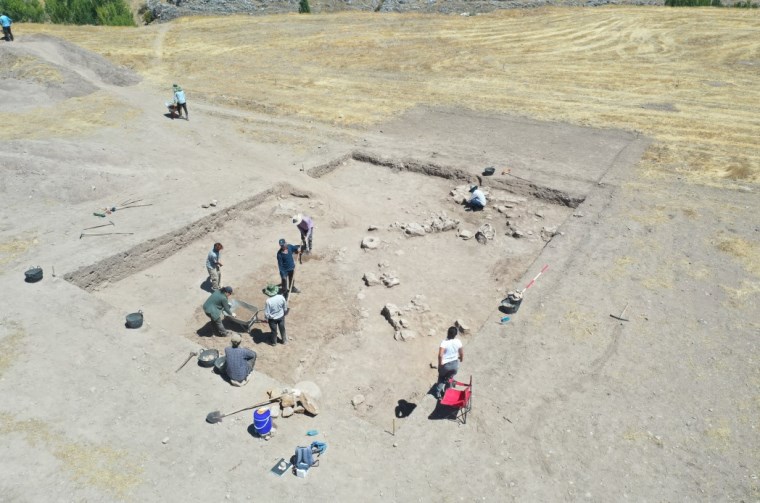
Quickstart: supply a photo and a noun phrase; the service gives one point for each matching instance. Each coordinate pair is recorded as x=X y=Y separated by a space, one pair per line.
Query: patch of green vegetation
x=303 y=7
x=29 y=11
x=97 y=12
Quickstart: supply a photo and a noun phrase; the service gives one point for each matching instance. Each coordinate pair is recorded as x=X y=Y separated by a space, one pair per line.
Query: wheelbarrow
x=245 y=314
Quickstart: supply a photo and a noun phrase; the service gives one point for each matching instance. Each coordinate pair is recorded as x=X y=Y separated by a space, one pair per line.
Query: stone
x=310 y=388
x=501 y=209
x=547 y=233
x=287 y=411
x=539 y=214
x=461 y=325
x=392 y=313
x=518 y=234
x=431 y=333
x=390 y=281
x=309 y=403
x=578 y=214
x=274 y=410
x=414 y=229
x=299 y=409
x=356 y=400
x=165 y=440
x=287 y=400
x=370 y=243
x=403 y=322
x=408 y=335
x=370 y=279
x=372 y=228
x=465 y=234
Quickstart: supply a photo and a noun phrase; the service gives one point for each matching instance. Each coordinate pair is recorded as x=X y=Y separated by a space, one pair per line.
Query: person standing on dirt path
x=450 y=354
x=6 y=23
x=287 y=265
x=213 y=266
x=275 y=309
x=306 y=228
x=239 y=362
x=180 y=101
x=477 y=200
x=216 y=305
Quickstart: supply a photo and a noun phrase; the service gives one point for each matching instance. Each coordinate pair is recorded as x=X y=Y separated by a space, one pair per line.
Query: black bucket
x=33 y=274
x=135 y=320
x=489 y=171
x=511 y=304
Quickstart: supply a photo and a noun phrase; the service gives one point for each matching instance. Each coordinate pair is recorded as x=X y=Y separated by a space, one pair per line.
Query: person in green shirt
x=216 y=305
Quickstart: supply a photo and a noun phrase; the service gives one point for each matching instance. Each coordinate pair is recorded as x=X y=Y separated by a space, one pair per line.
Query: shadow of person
x=206 y=330
x=404 y=408
x=260 y=337
x=169 y=115
x=442 y=412
x=206 y=286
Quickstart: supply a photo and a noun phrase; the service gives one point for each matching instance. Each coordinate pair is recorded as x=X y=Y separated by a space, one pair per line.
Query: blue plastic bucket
x=262 y=421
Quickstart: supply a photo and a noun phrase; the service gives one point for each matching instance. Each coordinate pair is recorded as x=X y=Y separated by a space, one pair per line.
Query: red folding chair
x=459 y=399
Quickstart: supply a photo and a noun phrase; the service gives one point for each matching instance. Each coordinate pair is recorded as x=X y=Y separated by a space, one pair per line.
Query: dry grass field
x=689 y=78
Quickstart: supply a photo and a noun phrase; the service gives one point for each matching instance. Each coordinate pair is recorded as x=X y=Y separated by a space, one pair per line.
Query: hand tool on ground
x=621 y=314
x=217 y=416
x=97 y=226
x=103 y=234
x=192 y=354
x=543 y=270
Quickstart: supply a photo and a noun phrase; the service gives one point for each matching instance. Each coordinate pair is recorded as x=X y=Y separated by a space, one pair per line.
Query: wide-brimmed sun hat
x=473 y=188
x=298 y=219
x=271 y=290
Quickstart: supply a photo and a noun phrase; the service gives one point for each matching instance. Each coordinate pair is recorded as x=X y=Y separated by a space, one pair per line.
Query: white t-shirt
x=451 y=349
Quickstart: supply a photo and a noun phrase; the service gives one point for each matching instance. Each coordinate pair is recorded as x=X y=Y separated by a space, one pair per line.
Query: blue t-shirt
x=285 y=260
x=5 y=21
x=180 y=97
x=213 y=259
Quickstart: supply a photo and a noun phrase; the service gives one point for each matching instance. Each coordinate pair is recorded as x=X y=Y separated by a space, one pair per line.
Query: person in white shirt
x=275 y=309
x=478 y=199
x=450 y=353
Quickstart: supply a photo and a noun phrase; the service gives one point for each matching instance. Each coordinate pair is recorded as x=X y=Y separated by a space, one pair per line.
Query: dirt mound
x=74 y=56
x=29 y=81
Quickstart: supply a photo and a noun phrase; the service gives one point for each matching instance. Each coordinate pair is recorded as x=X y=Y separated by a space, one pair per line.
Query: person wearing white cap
x=238 y=362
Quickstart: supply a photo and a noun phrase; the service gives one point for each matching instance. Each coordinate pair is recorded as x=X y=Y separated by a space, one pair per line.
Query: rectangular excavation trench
x=338 y=337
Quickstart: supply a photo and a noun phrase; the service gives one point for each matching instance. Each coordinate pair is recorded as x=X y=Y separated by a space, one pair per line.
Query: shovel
x=193 y=353
x=217 y=416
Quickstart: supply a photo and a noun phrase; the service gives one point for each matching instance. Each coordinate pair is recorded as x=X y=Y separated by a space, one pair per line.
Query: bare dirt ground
x=569 y=404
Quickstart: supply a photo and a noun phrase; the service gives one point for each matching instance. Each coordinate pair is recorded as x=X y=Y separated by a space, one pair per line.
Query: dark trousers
x=218 y=327
x=180 y=107
x=274 y=325
x=7 y=34
x=446 y=372
x=286 y=282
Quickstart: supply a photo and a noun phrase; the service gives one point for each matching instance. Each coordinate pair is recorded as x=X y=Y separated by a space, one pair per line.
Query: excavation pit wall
x=337 y=335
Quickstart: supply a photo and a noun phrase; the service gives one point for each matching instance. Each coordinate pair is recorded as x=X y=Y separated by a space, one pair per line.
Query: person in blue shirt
x=287 y=264
x=6 y=23
x=180 y=102
x=478 y=199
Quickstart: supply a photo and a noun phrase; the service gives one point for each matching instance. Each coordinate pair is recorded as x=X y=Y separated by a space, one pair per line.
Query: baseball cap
x=282 y=242
x=227 y=289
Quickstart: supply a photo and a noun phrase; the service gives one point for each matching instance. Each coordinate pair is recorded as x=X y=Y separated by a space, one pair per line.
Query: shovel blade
x=214 y=417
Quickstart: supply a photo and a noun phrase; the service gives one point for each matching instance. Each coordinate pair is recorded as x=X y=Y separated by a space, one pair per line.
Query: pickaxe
x=97 y=226
x=103 y=234
x=621 y=314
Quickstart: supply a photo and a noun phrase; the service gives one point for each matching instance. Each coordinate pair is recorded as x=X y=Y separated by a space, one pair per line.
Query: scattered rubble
x=357 y=400
x=438 y=222
x=547 y=233
x=370 y=243
x=465 y=234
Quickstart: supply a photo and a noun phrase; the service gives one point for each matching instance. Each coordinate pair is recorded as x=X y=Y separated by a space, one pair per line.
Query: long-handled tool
x=190 y=356
x=103 y=234
x=290 y=287
x=543 y=270
x=217 y=416
x=98 y=226
x=621 y=314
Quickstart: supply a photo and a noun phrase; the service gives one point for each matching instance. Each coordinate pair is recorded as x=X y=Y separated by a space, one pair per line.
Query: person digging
x=239 y=362
x=217 y=305
x=286 y=263
x=275 y=309
x=305 y=226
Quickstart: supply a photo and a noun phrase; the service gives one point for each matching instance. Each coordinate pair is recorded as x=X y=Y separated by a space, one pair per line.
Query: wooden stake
x=394 y=426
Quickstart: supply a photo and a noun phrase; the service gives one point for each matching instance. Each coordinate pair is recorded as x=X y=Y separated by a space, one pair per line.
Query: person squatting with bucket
x=239 y=362
x=450 y=354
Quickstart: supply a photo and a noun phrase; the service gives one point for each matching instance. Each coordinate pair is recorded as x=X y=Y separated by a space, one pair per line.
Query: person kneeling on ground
x=450 y=353
x=217 y=304
x=275 y=309
x=239 y=362
x=478 y=199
